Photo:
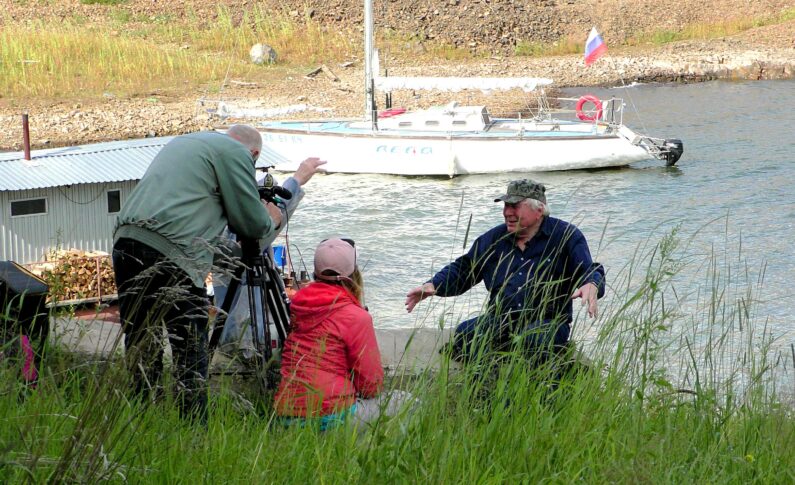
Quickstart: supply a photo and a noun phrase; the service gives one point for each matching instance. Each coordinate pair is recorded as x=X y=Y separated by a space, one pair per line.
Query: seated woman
x=331 y=367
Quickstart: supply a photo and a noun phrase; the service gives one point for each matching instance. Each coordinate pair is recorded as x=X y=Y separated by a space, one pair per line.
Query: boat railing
x=610 y=111
x=542 y=114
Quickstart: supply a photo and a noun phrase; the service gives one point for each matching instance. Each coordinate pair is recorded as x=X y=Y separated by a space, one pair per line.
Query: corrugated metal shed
x=116 y=161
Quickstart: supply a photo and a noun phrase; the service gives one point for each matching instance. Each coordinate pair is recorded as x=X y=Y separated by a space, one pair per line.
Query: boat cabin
x=449 y=117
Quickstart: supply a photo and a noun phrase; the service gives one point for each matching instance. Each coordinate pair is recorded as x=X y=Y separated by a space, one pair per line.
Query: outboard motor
x=673 y=150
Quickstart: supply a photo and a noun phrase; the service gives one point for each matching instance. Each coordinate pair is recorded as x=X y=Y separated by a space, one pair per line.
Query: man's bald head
x=248 y=136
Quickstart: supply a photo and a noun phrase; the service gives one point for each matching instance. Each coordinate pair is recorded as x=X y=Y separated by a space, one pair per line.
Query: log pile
x=76 y=275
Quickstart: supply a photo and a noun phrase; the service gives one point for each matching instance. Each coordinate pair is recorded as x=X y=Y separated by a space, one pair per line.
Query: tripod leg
x=279 y=303
x=267 y=302
x=226 y=307
x=258 y=314
x=261 y=314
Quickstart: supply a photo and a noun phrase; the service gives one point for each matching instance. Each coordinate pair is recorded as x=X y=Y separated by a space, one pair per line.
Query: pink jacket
x=330 y=355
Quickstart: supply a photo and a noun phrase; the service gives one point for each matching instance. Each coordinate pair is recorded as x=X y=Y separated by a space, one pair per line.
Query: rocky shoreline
x=746 y=57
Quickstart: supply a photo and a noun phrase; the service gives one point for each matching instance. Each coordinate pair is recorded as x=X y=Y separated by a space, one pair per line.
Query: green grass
x=565 y=46
x=65 y=60
x=101 y=2
x=710 y=31
x=132 y=55
x=701 y=31
x=127 y=54
x=682 y=388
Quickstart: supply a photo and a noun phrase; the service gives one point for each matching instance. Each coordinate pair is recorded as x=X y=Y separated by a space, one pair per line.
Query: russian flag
x=594 y=47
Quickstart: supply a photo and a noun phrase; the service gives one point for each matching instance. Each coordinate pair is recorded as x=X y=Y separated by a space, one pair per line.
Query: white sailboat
x=454 y=140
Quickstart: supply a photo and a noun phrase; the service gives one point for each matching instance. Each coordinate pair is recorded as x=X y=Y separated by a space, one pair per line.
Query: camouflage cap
x=519 y=190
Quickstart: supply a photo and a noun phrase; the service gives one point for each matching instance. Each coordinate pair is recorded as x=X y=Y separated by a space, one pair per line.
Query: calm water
x=731 y=192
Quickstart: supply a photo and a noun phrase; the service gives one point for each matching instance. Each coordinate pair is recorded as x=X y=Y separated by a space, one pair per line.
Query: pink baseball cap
x=337 y=255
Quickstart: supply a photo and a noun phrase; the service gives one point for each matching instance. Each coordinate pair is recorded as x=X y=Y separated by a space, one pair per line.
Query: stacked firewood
x=74 y=275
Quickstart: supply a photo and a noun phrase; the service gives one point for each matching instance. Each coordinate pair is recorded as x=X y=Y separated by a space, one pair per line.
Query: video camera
x=269 y=191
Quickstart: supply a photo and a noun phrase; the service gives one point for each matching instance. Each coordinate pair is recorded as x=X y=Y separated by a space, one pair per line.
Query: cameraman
x=164 y=243
x=236 y=335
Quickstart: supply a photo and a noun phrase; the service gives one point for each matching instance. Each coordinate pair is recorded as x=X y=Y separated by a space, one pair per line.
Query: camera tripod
x=264 y=284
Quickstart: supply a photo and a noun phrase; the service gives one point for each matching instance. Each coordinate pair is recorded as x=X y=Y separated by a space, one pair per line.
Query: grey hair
x=247 y=135
x=537 y=204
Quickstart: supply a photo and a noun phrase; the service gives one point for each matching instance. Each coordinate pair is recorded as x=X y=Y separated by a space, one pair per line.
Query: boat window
x=404 y=123
x=459 y=123
x=431 y=123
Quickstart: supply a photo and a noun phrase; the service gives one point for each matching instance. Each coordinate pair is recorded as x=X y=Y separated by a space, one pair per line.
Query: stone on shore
x=262 y=54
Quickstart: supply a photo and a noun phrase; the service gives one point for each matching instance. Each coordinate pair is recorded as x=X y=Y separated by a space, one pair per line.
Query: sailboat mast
x=369 y=94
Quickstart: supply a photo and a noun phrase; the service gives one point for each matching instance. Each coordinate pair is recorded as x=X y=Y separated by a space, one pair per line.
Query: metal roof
x=84 y=164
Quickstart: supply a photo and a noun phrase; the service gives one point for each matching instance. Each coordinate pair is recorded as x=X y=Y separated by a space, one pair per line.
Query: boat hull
x=445 y=154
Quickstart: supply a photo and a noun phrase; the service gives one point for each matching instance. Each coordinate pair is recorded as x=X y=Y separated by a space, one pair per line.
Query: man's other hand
x=307 y=169
x=418 y=294
x=588 y=292
x=275 y=213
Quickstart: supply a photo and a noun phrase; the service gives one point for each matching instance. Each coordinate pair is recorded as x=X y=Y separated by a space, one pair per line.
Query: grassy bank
x=127 y=55
x=131 y=56
x=593 y=428
x=683 y=388
x=704 y=31
x=657 y=37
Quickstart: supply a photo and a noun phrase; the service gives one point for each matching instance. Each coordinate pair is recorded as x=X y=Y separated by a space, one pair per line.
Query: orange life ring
x=589 y=98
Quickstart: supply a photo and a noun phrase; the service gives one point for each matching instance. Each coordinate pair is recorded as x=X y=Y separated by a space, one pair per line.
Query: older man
x=164 y=242
x=533 y=265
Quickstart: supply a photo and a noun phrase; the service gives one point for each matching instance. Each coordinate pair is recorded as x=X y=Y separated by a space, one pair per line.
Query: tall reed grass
x=682 y=387
x=62 y=60
x=128 y=57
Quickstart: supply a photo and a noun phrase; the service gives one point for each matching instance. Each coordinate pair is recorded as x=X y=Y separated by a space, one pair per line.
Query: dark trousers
x=154 y=293
x=536 y=340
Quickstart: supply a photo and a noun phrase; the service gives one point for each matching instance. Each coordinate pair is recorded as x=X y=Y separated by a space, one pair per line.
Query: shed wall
x=77 y=218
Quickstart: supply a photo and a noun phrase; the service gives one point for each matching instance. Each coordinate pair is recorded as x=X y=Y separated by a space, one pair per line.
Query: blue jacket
x=537 y=282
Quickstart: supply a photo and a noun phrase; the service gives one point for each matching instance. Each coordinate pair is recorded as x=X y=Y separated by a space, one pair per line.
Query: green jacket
x=194 y=187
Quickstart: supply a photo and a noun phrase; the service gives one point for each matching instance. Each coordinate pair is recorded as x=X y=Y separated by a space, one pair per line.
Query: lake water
x=731 y=193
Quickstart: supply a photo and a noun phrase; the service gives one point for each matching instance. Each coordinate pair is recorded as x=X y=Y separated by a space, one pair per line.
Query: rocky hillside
x=486 y=26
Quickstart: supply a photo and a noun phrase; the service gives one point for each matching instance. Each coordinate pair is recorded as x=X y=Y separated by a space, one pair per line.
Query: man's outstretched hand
x=307 y=169
x=418 y=294
x=588 y=292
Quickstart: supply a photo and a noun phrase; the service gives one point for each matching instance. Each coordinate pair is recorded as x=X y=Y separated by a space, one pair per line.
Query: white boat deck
x=499 y=128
